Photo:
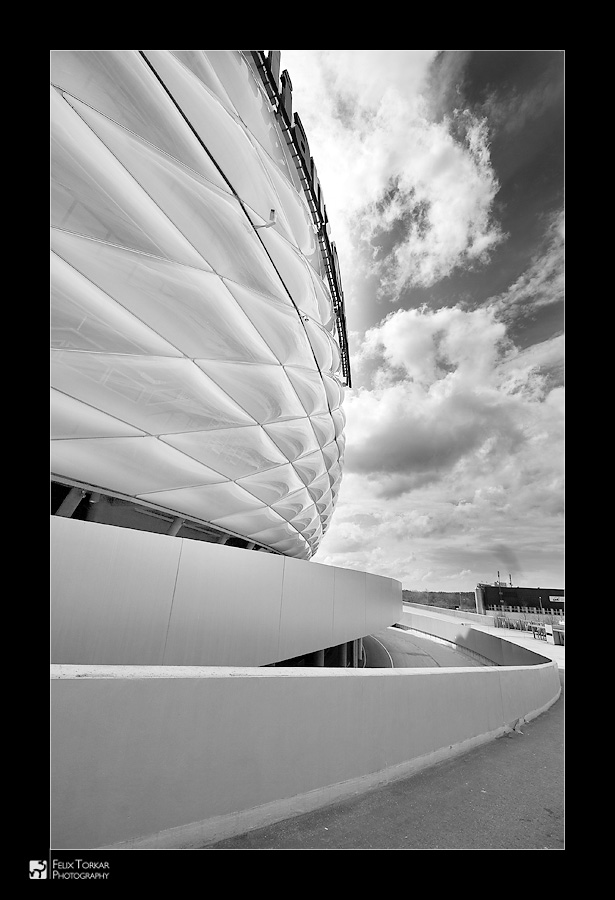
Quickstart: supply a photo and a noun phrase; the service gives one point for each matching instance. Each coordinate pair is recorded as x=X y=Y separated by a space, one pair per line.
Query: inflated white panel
x=310 y=467
x=82 y=317
x=319 y=488
x=293 y=271
x=196 y=61
x=130 y=465
x=296 y=213
x=279 y=324
x=325 y=304
x=69 y=418
x=294 y=437
x=225 y=139
x=324 y=429
x=251 y=523
x=310 y=389
x=335 y=391
x=307 y=519
x=250 y=101
x=277 y=534
x=207 y=503
x=325 y=508
x=339 y=420
x=322 y=345
x=211 y=220
x=293 y=505
x=192 y=308
x=331 y=454
x=94 y=195
x=157 y=395
x=273 y=484
x=194 y=363
x=121 y=85
x=263 y=391
x=234 y=452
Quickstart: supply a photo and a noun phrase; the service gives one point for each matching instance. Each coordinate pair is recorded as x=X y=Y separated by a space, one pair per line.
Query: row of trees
x=445 y=599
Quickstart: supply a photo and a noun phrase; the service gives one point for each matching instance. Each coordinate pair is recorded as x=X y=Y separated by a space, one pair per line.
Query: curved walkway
x=400 y=649
x=506 y=795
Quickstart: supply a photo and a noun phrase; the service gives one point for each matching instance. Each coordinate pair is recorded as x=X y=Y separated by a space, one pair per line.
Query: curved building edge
x=156 y=154
x=125 y=597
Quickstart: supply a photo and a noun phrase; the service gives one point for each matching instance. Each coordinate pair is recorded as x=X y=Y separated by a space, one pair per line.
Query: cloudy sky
x=443 y=177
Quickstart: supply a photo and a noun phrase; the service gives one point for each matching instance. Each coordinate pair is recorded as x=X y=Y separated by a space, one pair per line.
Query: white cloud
x=454 y=454
x=434 y=210
x=544 y=281
x=458 y=434
x=437 y=397
x=524 y=370
x=446 y=345
x=420 y=188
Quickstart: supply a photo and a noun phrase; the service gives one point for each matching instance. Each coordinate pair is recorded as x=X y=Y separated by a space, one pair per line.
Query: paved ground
x=399 y=649
x=505 y=795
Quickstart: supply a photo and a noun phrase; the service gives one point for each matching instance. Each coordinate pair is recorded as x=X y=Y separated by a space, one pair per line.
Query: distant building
x=500 y=595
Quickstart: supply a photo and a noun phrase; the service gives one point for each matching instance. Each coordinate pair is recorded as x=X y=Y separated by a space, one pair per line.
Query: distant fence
x=542 y=631
x=537 y=628
x=524 y=614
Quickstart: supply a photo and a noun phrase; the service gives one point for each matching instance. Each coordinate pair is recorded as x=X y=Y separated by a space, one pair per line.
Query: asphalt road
x=400 y=650
x=506 y=795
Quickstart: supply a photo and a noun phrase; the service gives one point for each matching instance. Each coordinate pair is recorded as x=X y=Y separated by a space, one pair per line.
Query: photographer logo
x=38 y=868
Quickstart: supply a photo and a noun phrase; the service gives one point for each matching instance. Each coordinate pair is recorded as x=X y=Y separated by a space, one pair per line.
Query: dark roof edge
x=279 y=90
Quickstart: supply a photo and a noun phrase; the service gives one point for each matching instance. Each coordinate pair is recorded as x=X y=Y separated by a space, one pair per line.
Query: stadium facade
x=198 y=335
x=199 y=358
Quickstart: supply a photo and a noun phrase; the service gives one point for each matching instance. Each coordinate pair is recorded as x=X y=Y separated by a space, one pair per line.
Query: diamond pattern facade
x=195 y=358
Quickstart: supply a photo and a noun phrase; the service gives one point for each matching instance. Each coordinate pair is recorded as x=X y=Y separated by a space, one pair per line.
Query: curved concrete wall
x=465 y=614
x=152 y=749
x=489 y=646
x=176 y=758
x=126 y=597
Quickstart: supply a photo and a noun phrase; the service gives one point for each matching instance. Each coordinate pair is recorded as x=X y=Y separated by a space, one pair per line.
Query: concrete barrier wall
x=478 y=618
x=489 y=646
x=126 y=597
x=175 y=758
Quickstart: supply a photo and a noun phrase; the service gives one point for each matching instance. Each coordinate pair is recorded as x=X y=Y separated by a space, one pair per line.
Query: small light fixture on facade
x=273 y=218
